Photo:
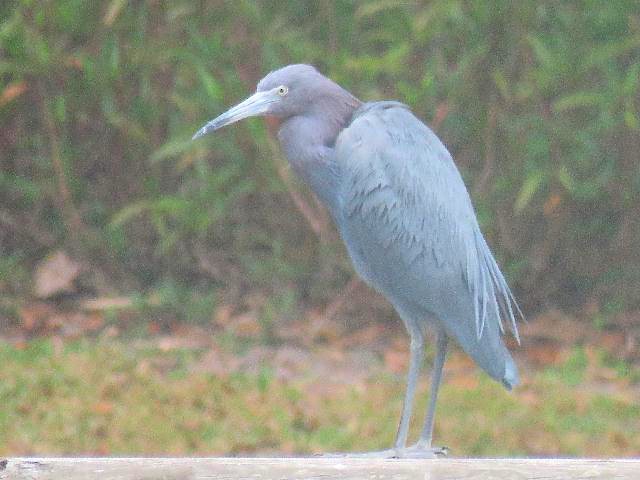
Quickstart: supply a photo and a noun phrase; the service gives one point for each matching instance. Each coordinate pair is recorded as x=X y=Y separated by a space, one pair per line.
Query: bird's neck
x=308 y=141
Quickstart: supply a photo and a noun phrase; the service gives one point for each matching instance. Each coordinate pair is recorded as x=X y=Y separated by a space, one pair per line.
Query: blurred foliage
x=538 y=102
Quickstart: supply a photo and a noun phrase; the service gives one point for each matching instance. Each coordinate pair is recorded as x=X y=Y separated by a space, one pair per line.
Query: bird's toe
x=419 y=451
x=390 y=453
x=416 y=451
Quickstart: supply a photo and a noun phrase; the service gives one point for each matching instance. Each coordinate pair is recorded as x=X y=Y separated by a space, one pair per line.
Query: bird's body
x=411 y=231
x=404 y=214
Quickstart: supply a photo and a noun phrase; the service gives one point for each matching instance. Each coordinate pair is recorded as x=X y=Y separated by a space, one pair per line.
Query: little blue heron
x=405 y=216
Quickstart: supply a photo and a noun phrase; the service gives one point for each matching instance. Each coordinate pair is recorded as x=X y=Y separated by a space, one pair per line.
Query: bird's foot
x=422 y=451
x=391 y=453
x=414 y=451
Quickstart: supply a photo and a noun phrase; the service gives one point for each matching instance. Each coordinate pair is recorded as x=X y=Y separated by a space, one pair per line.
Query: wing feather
x=403 y=192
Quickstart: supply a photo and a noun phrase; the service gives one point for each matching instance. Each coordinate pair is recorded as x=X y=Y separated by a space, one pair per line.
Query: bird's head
x=283 y=93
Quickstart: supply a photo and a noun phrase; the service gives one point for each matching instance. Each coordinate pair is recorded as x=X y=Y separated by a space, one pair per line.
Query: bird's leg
x=415 y=362
x=423 y=447
x=400 y=449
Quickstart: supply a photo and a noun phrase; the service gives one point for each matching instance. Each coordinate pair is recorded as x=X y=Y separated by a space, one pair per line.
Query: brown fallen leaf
x=613 y=341
x=396 y=361
x=222 y=316
x=546 y=353
x=363 y=336
x=323 y=328
x=103 y=408
x=35 y=316
x=551 y=204
x=554 y=325
x=246 y=325
x=460 y=363
x=102 y=450
x=12 y=91
x=94 y=322
x=154 y=327
x=466 y=381
x=55 y=274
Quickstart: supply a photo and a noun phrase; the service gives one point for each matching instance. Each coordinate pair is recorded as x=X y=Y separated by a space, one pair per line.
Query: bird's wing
x=406 y=211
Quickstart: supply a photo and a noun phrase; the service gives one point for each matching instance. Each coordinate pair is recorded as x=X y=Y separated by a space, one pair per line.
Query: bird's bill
x=256 y=104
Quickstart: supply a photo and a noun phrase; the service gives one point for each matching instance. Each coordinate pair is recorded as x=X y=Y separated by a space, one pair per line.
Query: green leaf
x=210 y=84
x=542 y=53
x=577 y=100
x=529 y=188
x=172 y=148
x=501 y=84
x=631 y=120
x=127 y=213
x=566 y=179
x=630 y=85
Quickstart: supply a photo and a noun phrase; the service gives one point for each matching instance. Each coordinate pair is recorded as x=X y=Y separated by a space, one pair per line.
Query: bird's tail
x=511 y=377
x=488 y=351
x=489 y=301
x=486 y=346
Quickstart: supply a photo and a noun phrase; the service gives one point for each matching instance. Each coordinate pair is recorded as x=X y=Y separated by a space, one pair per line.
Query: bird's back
x=411 y=231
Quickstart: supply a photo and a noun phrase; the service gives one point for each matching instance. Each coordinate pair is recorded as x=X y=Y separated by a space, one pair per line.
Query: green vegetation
x=109 y=397
x=538 y=101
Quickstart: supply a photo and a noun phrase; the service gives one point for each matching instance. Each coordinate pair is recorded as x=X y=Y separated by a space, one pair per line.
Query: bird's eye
x=282 y=91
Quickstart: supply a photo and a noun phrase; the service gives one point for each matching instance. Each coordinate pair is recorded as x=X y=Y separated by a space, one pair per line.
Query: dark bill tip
x=203 y=131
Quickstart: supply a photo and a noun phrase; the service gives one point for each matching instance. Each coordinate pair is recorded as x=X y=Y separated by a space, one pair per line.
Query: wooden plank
x=314 y=468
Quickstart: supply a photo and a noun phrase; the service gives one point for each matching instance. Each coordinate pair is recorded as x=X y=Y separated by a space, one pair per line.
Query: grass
x=113 y=397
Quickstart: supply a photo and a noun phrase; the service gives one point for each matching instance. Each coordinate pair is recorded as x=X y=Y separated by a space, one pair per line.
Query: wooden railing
x=314 y=468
